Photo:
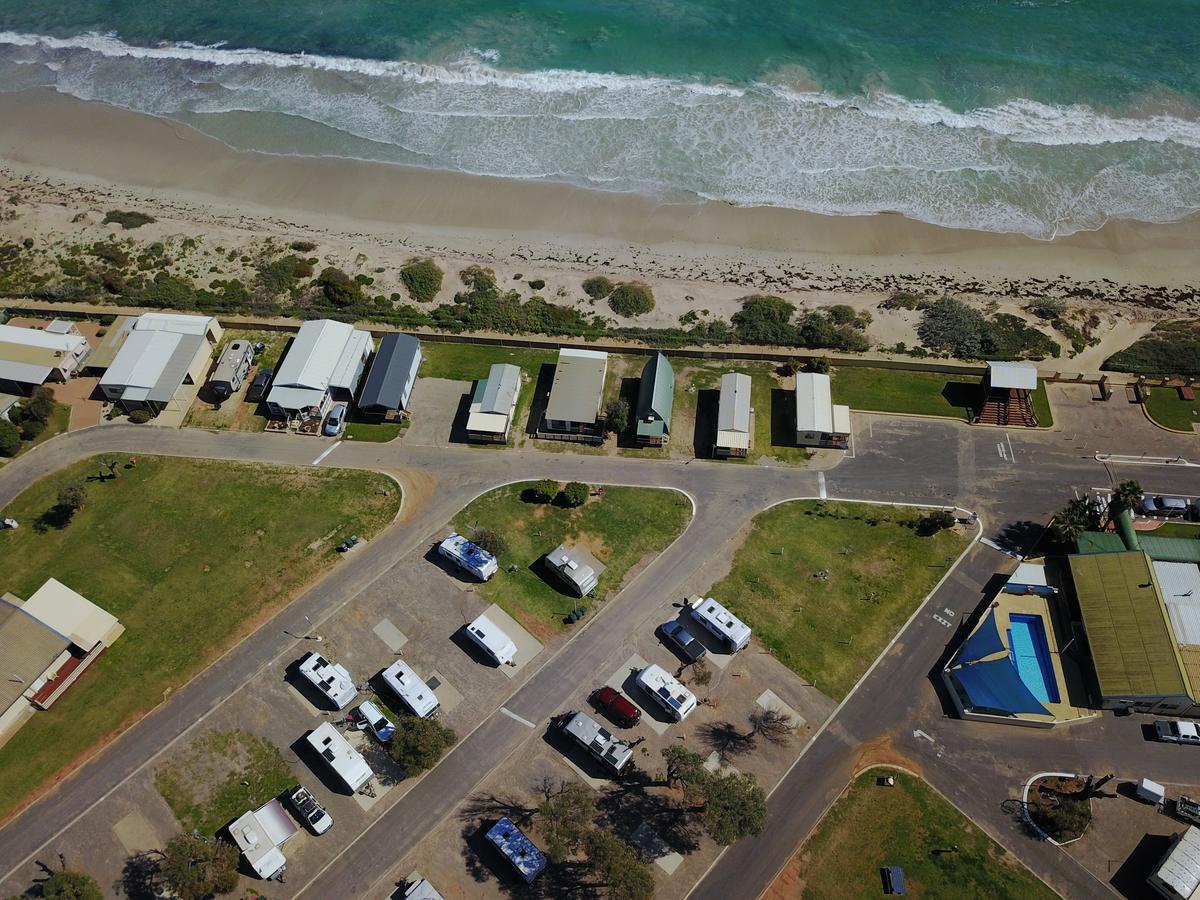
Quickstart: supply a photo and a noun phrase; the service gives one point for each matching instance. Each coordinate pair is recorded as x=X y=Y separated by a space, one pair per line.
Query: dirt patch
x=880 y=752
x=1060 y=807
x=594 y=544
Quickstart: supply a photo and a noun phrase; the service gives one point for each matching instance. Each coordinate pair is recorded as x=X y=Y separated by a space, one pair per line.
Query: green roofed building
x=656 y=397
x=1137 y=656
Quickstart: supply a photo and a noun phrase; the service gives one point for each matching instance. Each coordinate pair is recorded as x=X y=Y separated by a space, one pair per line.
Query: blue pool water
x=1030 y=653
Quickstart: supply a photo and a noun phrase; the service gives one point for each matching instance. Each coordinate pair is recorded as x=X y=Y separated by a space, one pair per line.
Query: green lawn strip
x=830 y=629
x=771 y=404
x=899 y=391
x=906 y=825
x=468 y=362
x=619 y=528
x=374 y=432
x=1041 y=406
x=1165 y=408
x=221 y=775
x=188 y=554
x=57 y=424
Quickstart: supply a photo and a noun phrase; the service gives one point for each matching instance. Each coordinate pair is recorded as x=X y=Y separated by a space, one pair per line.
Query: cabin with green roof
x=656 y=397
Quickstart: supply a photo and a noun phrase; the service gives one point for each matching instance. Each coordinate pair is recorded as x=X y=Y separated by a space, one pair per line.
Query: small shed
x=656 y=397
x=494 y=403
x=733 y=416
x=393 y=374
x=577 y=568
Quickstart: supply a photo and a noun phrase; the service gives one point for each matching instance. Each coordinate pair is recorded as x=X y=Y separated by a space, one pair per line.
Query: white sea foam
x=1021 y=166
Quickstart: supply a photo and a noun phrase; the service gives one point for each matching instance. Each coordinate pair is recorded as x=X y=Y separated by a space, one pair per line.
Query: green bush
x=492 y=541
x=110 y=253
x=418 y=744
x=127 y=220
x=140 y=416
x=279 y=275
x=598 y=287
x=1172 y=348
x=1007 y=336
x=575 y=494
x=544 y=491
x=765 y=320
x=480 y=282
x=953 y=327
x=303 y=246
x=10 y=438
x=631 y=298
x=422 y=279
x=818 y=330
x=339 y=288
x=536 y=284
x=1048 y=307
x=68 y=885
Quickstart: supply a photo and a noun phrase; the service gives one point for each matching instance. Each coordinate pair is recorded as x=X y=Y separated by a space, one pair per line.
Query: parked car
x=335 y=421
x=1167 y=507
x=1194 y=510
x=683 y=641
x=373 y=720
x=258 y=387
x=617 y=707
x=1177 y=732
x=308 y=810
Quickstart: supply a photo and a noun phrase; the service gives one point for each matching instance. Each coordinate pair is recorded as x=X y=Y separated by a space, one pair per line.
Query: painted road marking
x=1000 y=450
x=821 y=484
x=512 y=715
x=1012 y=454
x=330 y=449
x=944 y=622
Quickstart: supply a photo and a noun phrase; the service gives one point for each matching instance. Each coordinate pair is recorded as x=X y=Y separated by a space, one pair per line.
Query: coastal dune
x=51 y=135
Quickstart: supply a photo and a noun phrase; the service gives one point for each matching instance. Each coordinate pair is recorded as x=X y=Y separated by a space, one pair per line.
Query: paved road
x=897 y=460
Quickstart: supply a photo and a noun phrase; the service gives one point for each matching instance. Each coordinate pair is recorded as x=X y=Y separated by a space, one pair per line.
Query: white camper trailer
x=346 y=762
x=491 y=640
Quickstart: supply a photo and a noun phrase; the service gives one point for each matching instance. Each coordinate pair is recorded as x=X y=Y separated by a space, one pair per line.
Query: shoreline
x=58 y=136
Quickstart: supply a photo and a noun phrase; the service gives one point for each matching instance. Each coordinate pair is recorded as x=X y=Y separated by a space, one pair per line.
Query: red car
x=617 y=707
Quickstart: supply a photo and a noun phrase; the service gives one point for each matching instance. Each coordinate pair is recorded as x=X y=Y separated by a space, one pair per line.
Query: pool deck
x=1066 y=673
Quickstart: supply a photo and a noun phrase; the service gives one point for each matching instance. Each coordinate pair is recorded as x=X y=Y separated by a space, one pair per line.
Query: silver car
x=336 y=421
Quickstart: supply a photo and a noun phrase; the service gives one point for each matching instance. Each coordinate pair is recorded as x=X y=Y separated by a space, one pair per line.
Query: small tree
x=616 y=415
x=196 y=867
x=422 y=279
x=820 y=365
x=951 y=325
x=544 y=491
x=492 y=541
x=564 y=817
x=598 y=287
x=72 y=495
x=685 y=769
x=70 y=885
x=933 y=522
x=734 y=806
x=10 y=438
x=617 y=866
x=575 y=494
x=772 y=725
x=139 y=416
x=417 y=744
x=339 y=288
x=631 y=298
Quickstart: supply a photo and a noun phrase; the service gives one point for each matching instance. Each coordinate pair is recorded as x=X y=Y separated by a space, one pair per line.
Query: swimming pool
x=1030 y=652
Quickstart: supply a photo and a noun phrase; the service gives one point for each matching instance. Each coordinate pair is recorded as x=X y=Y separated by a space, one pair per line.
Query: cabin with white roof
x=325 y=362
x=819 y=421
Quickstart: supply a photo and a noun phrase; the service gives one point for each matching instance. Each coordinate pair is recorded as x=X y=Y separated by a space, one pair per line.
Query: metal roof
x=41 y=339
x=1180 y=868
x=30 y=648
x=393 y=373
x=103 y=356
x=814 y=402
x=1128 y=628
x=152 y=364
x=71 y=614
x=734 y=412
x=1172 y=549
x=1019 y=375
x=1180 y=583
x=656 y=396
x=1099 y=542
x=502 y=386
x=176 y=323
x=28 y=355
x=324 y=354
x=578 y=385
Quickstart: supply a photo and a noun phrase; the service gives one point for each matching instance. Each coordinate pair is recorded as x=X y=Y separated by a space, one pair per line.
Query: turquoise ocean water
x=1036 y=116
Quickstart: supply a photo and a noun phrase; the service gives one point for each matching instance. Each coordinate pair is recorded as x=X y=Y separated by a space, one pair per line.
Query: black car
x=684 y=642
x=258 y=387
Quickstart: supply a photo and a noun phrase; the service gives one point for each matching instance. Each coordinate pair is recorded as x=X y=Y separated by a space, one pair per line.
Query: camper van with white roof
x=599 y=741
x=468 y=556
x=731 y=631
x=492 y=641
x=415 y=693
x=260 y=833
x=675 y=700
x=346 y=762
x=331 y=679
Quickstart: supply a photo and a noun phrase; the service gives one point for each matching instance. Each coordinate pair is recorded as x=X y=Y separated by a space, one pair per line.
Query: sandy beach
x=64 y=162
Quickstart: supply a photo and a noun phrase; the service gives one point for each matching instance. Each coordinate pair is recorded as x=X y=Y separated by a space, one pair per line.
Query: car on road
x=617 y=707
x=372 y=719
x=682 y=641
x=308 y=810
x=1177 y=732
x=336 y=421
x=258 y=387
x=1167 y=507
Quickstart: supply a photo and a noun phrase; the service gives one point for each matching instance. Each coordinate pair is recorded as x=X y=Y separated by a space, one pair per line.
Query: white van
x=675 y=700
x=492 y=641
x=732 y=632
x=415 y=693
x=346 y=762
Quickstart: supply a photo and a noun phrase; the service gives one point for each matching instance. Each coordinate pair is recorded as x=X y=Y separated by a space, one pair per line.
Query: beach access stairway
x=1011 y=409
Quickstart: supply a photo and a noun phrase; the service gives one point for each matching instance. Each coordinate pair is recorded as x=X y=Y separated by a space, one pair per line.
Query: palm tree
x=1128 y=495
x=1079 y=515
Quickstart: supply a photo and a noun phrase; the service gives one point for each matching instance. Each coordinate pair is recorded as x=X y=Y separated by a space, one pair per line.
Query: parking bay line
x=512 y=715
x=328 y=450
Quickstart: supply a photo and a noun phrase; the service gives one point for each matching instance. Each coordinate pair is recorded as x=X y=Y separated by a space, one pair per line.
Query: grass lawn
x=374 y=432
x=219 y=776
x=189 y=555
x=619 y=528
x=1041 y=406
x=899 y=391
x=1165 y=408
x=58 y=422
x=830 y=629
x=871 y=827
x=467 y=362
